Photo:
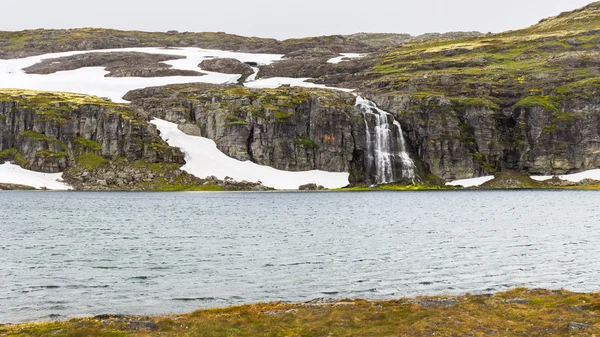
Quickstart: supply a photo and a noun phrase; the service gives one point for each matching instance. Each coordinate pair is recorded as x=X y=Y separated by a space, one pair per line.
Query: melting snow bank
x=13 y=174
x=470 y=182
x=574 y=178
x=92 y=80
x=204 y=159
x=276 y=82
x=343 y=56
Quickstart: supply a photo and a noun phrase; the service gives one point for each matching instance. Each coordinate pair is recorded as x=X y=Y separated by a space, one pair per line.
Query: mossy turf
x=58 y=106
x=534 y=61
x=519 y=312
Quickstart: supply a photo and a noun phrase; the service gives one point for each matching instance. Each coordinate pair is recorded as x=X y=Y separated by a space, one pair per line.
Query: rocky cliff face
x=292 y=129
x=537 y=135
x=98 y=144
x=523 y=101
x=48 y=132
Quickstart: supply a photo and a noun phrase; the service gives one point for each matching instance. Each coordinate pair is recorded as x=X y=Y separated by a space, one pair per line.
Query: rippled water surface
x=66 y=254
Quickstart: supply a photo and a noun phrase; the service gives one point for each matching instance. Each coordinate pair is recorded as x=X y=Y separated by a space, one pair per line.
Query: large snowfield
x=92 y=80
x=204 y=159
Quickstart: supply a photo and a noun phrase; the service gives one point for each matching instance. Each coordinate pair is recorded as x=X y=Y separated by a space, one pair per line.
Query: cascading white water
x=408 y=165
x=383 y=151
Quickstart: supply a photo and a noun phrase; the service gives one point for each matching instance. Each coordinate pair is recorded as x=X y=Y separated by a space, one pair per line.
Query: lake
x=67 y=254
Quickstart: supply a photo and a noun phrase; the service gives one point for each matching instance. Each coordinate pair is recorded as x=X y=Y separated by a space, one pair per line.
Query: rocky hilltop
x=42 y=41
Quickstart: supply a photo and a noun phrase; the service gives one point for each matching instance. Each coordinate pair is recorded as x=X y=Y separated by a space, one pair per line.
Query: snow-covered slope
x=13 y=174
x=91 y=80
x=204 y=159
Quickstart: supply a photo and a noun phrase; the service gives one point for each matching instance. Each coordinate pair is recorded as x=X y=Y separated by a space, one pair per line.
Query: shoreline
x=519 y=311
x=23 y=188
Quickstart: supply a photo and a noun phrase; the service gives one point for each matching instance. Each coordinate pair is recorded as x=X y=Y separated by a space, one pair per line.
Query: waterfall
x=386 y=149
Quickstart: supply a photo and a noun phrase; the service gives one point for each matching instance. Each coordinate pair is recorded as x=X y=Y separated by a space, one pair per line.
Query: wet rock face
x=226 y=66
x=455 y=141
x=291 y=129
x=119 y=64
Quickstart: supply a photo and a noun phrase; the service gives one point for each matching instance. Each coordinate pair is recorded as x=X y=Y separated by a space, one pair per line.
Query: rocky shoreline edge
x=518 y=312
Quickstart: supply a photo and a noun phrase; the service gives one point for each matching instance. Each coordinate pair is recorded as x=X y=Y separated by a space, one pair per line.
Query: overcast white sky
x=284 y=18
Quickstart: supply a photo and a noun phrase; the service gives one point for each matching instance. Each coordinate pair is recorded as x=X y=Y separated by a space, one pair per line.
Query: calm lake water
x=65 y=254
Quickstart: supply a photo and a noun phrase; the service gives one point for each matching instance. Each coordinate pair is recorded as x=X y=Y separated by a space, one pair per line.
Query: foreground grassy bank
x=519 y=312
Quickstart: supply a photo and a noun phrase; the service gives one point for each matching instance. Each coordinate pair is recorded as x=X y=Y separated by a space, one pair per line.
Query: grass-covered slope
x=556 y=51
x=519 y=312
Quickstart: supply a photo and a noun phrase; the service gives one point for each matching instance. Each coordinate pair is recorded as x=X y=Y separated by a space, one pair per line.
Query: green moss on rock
x=537 y=101
x=90 y=161
x=88 y=144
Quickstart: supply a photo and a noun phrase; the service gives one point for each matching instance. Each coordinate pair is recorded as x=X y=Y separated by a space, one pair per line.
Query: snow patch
x=204 y=159
x=341 y=58
x=276 y=82
x=575 y=178
x=13 y=174
x=470 y=182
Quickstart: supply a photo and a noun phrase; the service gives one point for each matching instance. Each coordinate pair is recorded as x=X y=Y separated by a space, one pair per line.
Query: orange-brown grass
x=518 y=312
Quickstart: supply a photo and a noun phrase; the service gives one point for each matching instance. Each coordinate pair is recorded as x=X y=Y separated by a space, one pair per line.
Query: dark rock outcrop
x=315 y=67
x=310 y=187
x=226 y=66
x=119 y=64
x=14 y=187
